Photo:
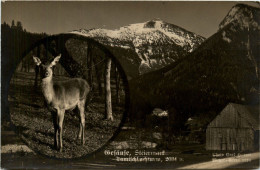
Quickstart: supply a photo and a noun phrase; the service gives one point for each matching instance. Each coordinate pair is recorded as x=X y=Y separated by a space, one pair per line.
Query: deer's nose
x=47 y=74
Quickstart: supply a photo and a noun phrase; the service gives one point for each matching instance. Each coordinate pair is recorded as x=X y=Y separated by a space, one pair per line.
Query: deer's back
x=71 y=88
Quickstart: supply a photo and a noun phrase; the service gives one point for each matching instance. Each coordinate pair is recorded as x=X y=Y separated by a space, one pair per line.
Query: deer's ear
x=56 y=60
x=37 y=60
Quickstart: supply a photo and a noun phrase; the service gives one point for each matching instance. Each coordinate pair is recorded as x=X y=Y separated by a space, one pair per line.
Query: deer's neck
x=47 y=89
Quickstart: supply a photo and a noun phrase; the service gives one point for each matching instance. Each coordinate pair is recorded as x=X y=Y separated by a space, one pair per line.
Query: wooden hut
x=235 y=128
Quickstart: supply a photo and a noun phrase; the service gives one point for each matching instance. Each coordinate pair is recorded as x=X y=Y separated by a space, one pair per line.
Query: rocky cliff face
x=242 y=16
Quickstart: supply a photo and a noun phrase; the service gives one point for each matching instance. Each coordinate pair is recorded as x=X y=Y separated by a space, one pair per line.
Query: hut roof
x=249 y=113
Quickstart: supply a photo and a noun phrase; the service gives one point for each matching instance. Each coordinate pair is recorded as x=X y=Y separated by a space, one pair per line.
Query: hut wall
x=229 y=131
x=218 y=138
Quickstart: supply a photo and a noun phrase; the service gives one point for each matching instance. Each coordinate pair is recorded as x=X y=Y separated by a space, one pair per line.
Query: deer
x=61 y=96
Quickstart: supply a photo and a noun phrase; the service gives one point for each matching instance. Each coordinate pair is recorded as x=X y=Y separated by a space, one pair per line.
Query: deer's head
x=46 y=69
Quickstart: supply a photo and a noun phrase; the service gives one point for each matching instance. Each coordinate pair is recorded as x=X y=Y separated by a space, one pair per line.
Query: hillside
x=225 y=68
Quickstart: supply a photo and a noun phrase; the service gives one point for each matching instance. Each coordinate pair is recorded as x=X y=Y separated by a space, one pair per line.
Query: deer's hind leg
x=81 y=107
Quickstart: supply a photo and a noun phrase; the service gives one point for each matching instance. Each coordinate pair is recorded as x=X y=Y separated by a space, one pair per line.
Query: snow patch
x=124 y=46
x=150 y=50
x=153 y=62
x=225 y=38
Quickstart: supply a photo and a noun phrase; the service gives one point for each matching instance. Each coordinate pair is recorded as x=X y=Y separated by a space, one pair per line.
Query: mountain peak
x=156 y=20
x=155 y=43
x=242 y=14
x=155 y=23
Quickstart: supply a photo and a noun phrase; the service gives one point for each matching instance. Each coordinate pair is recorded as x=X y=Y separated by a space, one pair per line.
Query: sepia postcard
x=130 y=85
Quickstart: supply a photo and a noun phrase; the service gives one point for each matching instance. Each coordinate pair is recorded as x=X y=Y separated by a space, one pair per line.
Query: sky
x=202 y=18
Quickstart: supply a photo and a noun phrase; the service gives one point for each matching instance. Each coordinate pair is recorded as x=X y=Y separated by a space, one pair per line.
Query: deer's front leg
x=55 y=124
x=60 y=127
x=80 y=130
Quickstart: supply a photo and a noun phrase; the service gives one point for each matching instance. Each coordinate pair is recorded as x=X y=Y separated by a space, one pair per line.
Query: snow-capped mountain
x=156 y=43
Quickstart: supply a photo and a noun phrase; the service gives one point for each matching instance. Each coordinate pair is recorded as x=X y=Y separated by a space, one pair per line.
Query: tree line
x=14 y=41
